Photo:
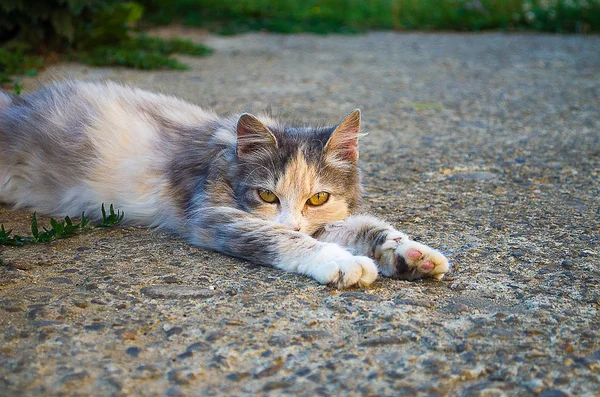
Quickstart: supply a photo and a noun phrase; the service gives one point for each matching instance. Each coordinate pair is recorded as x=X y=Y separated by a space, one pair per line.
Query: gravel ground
x=484 y=146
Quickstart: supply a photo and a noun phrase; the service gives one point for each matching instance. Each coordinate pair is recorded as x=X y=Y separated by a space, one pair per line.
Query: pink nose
x=296 y=228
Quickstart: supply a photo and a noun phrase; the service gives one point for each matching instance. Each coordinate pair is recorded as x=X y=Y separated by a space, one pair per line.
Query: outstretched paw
x=405 y=259
x=341 y=269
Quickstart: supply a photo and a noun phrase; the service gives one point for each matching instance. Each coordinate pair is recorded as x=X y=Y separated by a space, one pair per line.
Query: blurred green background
x=109 y=32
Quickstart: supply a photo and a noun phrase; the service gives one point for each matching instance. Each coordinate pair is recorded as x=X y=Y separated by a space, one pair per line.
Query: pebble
x=60 y=280
x=276 y=385
x=133 y=351
x=385 y=341
x=174 y=331
x=475 y=176
x=553 y=393
x=94 y=327
x=176 y=292
x=269 y=370
x=198 y=347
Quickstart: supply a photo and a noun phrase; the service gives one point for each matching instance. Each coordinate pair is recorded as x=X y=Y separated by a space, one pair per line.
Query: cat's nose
x=296 y=228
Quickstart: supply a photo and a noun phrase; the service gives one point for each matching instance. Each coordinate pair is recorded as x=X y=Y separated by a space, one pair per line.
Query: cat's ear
x=343 y=143
x=252 y=135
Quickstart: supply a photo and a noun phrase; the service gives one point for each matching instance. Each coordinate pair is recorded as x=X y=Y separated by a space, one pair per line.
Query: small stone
x=171 y=280
x=314 y=335
x=553 y=393
x=133 y=351
x=181 y=377
x=535 y=386
x=198 y=347
x=12 y=306
x=37 y=313
x=463 y=347
x=475 y=176
x=276 y=385
x=360 y=296
x=269 y=370
x=303 y=371
x=535 y=354
x=149 y=371
x=471 y=373
x=519 y=160
x=498 y=224
x=183 y=356
x=518 y=253
x=176 y=292
x=174 y=331
x=74 y=378
x=567 y=263
x=235 y=323
x=237 y=376
x=60 y=280
x=128 y=335
x=385 y=341
x=214 y=336
x=278 y=341
x=175 y=392
x=594 y=366
x=266 y=353
x=81 y=304
x=456 y=308
x=94 y=327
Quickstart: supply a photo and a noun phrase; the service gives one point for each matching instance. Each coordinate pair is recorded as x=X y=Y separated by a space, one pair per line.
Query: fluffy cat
x=250 y=187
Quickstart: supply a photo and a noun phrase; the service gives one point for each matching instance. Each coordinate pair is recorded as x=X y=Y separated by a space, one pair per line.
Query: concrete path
x=485 y=146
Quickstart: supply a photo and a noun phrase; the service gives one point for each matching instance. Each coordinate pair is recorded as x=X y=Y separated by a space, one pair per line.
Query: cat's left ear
x=253 y=135
x=343 y=143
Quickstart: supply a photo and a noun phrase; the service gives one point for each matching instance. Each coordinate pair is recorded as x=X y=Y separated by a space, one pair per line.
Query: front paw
x=341 y=269
x=405 y=259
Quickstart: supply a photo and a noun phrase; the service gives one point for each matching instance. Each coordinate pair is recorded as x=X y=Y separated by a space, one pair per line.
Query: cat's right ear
x=343 y=143
x=252 y=135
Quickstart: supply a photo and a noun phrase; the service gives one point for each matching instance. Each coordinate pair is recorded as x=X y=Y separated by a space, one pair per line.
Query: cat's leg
x=239 y=234
x=396 y=255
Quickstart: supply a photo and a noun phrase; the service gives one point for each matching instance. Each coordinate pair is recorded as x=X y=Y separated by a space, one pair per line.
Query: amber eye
x=318 y=199
x=267 y=196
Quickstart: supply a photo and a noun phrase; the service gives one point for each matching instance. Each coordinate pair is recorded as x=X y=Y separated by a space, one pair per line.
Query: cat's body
x=245 y=186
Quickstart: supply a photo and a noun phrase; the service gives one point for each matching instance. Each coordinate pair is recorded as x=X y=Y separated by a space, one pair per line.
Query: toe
x=426 y=266
x=413 y=254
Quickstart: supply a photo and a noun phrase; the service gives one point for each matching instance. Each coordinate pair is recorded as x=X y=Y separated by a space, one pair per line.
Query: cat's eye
x=267 y=196
x=318 y=199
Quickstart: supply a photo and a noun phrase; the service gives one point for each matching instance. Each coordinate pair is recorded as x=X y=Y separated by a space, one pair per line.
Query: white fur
x=328 y=263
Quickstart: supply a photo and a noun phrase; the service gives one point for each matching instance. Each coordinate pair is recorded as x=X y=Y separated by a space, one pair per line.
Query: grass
x=143 y=52
x=346 y=16
x=58 y=229
x=108 y=38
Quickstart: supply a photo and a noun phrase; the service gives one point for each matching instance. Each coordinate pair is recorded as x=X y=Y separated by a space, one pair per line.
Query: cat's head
x=301 y=177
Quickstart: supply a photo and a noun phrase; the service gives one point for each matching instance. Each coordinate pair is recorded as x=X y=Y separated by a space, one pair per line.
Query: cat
x=247 y=186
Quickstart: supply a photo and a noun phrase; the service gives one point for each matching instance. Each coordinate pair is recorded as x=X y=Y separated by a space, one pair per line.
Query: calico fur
x=72 y=146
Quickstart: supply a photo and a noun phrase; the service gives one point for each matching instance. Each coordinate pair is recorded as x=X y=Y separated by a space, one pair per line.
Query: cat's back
x=72 y=108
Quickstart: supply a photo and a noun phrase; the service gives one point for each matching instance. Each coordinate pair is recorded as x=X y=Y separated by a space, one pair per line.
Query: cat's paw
x=399 y=257
x=340 y=268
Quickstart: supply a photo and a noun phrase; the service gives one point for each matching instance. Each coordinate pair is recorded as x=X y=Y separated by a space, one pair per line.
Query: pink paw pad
x=427 y=266
x=413 y=254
